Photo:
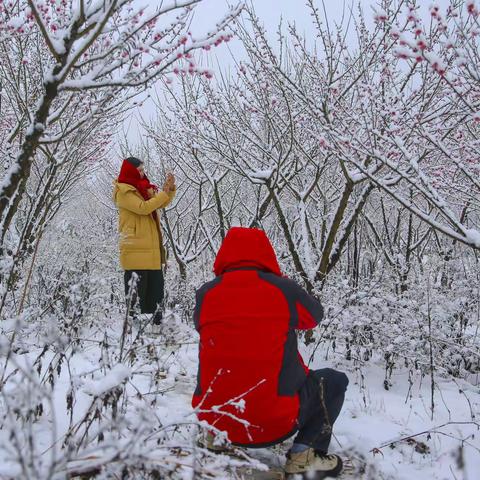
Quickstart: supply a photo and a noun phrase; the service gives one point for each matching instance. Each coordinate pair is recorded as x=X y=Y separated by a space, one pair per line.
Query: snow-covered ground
x=151 y=421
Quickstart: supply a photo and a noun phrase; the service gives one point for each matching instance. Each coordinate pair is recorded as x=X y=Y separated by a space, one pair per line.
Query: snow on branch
x=118 y=375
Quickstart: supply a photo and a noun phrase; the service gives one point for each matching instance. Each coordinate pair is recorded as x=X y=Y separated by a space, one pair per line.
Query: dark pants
x=146 y=288
x=321 y=399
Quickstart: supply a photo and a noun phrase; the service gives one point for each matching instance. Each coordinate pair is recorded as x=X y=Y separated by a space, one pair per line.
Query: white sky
x=269 y=11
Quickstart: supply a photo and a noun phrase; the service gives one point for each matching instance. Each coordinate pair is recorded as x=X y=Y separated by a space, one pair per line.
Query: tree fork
x=291 y=246
x=330 y=241
x=333 y=260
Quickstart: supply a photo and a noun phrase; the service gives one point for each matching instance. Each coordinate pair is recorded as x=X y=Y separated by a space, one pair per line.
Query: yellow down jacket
x=140 y=233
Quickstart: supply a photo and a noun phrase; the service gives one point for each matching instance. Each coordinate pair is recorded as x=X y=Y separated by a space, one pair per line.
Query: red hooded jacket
x=250 y=370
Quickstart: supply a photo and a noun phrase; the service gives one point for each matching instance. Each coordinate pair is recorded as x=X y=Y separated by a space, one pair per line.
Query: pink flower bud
x=438 y=68
x=401 y=53
x=380 y=16
x=422 y=45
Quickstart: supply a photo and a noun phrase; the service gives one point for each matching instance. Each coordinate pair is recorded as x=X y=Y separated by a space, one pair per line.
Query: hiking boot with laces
x=313 y=464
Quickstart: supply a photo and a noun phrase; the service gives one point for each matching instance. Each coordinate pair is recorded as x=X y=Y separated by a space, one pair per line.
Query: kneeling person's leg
x=321 y=400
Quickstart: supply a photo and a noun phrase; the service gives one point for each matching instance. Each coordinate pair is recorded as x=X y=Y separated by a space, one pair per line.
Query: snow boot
x=314 y=465
x=156 y=326
x=157 y=317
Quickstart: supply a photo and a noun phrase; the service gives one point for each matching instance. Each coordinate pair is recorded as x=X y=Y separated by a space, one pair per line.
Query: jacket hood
x=246 y=247
x=128 y=173
x=122 y=188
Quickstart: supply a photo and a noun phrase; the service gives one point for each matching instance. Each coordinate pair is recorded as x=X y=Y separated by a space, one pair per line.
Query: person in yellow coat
x=142 y=253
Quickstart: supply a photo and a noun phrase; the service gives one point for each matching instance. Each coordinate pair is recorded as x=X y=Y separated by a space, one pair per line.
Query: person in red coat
x=252 y=382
